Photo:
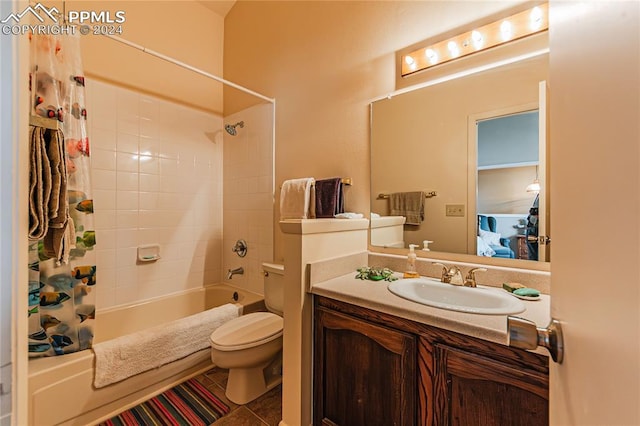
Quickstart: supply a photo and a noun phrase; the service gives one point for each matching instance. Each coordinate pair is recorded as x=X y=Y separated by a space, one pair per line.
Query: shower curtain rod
x=189 y=67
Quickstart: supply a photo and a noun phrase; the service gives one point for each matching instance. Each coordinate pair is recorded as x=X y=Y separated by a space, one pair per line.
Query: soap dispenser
x=426 y=243
x=411 y=272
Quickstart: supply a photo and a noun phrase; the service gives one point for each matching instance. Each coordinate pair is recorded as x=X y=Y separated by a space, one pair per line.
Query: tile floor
x=266 y=410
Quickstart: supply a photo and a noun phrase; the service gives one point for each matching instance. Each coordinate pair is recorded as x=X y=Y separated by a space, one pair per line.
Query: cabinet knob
x=524 y=334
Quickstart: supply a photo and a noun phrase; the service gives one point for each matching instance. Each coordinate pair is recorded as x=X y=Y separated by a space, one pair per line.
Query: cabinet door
x=474 y=390
x=364 y=374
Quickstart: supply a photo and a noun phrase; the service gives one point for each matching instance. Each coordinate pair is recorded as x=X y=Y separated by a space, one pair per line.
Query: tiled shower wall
x=157 y=178
x=248 y=195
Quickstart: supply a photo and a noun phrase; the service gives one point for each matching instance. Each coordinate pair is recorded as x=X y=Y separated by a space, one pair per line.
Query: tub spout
x=233 y=272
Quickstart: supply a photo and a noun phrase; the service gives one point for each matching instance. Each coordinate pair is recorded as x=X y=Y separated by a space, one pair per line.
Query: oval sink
x=431 y=292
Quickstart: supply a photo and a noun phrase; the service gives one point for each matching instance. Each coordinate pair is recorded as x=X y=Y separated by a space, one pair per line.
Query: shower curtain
x=62 y=265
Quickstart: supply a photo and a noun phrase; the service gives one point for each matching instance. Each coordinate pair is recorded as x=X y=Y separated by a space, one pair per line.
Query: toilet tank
x=273 y=287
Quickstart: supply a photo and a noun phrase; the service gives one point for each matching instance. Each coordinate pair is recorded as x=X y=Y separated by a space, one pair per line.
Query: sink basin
x=431 y=292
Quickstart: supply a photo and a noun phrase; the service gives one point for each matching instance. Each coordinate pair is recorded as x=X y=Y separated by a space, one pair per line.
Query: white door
x=544 y=201
x=595 y=138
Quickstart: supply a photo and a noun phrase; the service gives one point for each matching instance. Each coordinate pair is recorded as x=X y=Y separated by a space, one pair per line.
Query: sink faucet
x=450 y=275
x=233 y=272
x=470 y=279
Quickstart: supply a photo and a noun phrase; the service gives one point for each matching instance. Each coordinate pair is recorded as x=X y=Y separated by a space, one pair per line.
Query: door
x=473 y=390
x=544 y=201
x=595 y=159
x=364 y=373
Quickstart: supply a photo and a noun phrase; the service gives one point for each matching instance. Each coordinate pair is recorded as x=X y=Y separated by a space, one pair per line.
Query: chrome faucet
x=232 y=272
x=470 y=279
x=451 y=274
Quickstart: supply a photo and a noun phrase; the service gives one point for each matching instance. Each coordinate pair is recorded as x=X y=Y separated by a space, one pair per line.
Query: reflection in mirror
x=507 y=148
x=422 y=141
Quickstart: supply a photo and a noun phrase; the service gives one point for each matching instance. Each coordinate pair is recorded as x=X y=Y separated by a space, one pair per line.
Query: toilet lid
x=247 y=330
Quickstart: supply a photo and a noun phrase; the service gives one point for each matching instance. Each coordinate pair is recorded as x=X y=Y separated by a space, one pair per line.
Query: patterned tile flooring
x=265 y=410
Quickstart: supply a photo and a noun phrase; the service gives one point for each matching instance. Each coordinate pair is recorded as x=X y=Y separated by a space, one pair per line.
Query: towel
x=56 y=241
x=409 y=205
x=329 y=198
x=349 y=215
x=297 y=199
x=126 y=356
x=39 y=184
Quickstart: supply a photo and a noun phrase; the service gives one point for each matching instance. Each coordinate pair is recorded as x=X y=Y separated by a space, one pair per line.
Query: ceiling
x=221 y=7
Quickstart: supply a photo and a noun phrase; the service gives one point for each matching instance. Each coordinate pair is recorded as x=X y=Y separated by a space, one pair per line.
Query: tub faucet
x=233 y=272
x=450 y=275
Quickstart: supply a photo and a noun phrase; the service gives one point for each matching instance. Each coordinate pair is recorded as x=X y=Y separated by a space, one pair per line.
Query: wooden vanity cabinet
x=365 y=373
x=362 y=365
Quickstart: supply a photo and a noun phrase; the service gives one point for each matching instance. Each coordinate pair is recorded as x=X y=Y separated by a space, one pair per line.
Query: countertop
x=375 y=295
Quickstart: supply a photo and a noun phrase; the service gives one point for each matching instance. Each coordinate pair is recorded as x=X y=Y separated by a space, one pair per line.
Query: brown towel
x=56 y=240
x=329 y=198
x=39 y=184
x=409 y=205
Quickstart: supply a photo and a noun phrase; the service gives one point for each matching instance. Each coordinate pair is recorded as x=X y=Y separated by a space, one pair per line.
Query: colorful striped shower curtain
x=62 y=274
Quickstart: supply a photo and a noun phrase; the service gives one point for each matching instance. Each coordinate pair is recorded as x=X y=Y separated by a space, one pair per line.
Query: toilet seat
x=247 y=331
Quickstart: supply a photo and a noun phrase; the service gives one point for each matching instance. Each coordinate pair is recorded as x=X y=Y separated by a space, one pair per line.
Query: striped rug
x=187 y=404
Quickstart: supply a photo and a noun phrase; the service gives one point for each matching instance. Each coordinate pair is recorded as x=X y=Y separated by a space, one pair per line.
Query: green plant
x=375 y=274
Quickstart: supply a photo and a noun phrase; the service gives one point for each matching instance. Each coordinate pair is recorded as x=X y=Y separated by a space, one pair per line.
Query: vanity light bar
x=514 y=27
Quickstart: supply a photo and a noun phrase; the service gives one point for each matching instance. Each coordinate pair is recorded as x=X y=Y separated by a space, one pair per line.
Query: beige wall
x=503 y=190
x=324 y=62
x=184 y=30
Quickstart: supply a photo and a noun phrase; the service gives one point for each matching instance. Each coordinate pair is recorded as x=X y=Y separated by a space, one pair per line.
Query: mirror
x=433 y=139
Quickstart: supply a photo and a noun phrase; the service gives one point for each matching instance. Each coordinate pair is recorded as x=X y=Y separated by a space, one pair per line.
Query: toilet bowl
x=250 y=346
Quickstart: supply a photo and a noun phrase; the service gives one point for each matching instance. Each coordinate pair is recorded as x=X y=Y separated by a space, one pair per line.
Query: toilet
x=250 y=346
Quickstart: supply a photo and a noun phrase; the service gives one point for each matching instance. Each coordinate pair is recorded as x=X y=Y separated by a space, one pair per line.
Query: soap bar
x=527 y=292
x=510 y=287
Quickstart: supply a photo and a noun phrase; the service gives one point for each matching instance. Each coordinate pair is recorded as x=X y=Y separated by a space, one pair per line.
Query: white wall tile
x=103 y=159
x=127 y=200
x=104 y=199
x=157 y=174
x=127 y=181
x=103 y=179
x=149 y=183
x=126 y=162
x=248 y=196
x=127 y=143
x=103 y=138
x=104 y=219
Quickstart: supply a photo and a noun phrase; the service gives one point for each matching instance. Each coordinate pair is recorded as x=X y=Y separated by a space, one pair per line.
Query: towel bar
x=428 y=194
x=345 y=181
x=47 y=123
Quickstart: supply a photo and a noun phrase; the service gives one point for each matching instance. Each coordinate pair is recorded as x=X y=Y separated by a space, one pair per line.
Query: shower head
x=231 y=128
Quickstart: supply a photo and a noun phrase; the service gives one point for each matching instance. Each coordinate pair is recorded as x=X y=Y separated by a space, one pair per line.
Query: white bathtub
x=61 y=388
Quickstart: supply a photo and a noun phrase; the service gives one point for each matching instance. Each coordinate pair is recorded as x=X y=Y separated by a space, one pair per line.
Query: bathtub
x=61 y=388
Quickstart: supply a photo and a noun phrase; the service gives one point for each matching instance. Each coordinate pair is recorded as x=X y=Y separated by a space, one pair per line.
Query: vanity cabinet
x=363 y=374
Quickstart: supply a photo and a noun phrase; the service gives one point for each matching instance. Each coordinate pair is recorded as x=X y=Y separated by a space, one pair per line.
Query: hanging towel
x=128 y=355
x=329 y=198
x=57 y=234
x=39 y=184
x=409 y=205
x=297 y=199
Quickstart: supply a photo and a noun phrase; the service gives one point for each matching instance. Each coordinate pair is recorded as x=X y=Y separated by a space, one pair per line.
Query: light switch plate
x=454 y=210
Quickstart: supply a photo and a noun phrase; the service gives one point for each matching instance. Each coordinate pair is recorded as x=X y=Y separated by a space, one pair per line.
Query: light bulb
x=534 y=187
x=431 y=55
x=535 y=18
x=477 y=39
x=505 y=30
x=409 y=60
x=453 y=49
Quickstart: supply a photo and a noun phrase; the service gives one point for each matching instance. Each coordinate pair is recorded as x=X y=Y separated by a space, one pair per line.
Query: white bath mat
x=135 y=353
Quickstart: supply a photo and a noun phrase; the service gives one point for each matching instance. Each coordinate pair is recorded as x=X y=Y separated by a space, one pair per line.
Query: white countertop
x=375 y=295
